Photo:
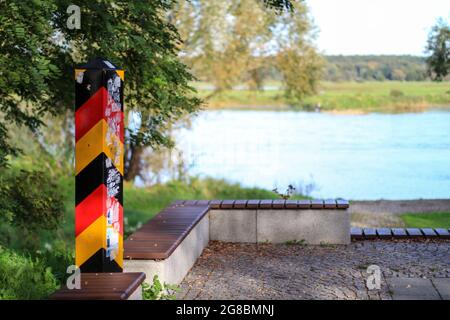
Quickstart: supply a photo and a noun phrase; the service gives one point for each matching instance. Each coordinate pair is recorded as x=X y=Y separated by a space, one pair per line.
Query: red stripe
x=121 y=219
x=91 y=112
x=92 y=207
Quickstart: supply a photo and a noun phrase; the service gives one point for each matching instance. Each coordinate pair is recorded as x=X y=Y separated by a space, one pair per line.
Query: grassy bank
x=426 y=220
x=348 y=97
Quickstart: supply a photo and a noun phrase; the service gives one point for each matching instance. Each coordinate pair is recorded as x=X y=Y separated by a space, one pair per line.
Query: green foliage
x=375 y=68
x=301 y=242
x=427 y=220
x=57 y=255
x=29 y=203
x=23 y=277
x=26 y=66
x=438 y=47
x=157 y=291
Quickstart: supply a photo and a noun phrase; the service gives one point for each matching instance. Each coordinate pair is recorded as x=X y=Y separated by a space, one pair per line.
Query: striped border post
x=99 y=154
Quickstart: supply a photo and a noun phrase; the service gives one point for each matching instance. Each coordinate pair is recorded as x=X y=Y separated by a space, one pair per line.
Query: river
x=360 y=157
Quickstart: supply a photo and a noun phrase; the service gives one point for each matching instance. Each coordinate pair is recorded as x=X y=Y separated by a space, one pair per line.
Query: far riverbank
x=337 y=97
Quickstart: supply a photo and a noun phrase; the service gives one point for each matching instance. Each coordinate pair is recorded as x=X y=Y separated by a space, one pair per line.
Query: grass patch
x=24 y=277
x=362 y=97
x=426 y=220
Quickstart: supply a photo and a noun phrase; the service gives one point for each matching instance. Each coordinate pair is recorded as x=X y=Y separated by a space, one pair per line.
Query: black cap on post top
x=99 y=63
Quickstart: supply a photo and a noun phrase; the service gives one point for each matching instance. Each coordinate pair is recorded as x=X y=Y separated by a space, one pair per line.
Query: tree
x=38 y=53
x=237 y=41
x=438 y=48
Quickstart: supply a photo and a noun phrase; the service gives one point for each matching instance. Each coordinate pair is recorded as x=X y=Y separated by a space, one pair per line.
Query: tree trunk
x=133 y=163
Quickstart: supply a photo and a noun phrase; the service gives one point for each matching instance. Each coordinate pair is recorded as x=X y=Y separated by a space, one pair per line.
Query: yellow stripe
x=92 y=239
x=95 y=142
x=119 y=258
x=121 y=74
x=77 y=71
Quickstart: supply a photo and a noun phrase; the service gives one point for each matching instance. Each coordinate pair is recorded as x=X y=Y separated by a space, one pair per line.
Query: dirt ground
x=386 y=212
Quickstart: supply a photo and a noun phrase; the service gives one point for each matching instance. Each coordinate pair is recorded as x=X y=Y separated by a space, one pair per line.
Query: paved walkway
x=248 y=271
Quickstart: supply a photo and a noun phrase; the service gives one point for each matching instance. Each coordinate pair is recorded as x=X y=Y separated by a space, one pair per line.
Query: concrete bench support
x=233 y=225
x=280 y=226
x=310 y=226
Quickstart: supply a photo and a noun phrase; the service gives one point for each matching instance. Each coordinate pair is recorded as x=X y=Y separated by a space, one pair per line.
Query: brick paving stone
x=267 y=271
x=412 y=289
x=442 y=285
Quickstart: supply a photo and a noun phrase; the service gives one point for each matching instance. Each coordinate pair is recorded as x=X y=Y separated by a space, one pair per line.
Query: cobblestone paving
x=265 y=271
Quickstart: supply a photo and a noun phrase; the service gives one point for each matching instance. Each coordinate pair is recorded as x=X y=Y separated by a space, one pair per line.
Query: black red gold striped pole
x=99 y=136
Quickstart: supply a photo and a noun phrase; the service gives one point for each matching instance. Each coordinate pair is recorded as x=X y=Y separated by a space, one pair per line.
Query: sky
x=375 y=26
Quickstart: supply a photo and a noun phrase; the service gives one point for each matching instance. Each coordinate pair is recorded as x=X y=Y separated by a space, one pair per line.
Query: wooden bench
x=104 y=286
x=158 y=238
x=169 y=244
x=399 y=233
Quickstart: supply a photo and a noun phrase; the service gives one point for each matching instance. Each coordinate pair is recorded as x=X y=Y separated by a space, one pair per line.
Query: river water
x=372 y=156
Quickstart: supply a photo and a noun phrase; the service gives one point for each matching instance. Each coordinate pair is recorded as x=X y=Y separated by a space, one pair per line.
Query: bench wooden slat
x=429 y=232
x=159 y=237
x=369 y=233
x=330 y=204
x=253 y=204
x=384 y=233
x=227 y=204
x=317 y=204
x=414 y=232
x=304 y=204
x=291 y=204
x=240 y=204
x=265 y=204
x=278 y=204
x=102 y=286
x=356 y=233
x=215 y=204
x=342 y=204
x=399 y=232
x=442 y=233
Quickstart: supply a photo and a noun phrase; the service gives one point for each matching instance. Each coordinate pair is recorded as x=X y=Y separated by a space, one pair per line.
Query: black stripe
x=98 y=262
x=92 y=82
x=94 y=174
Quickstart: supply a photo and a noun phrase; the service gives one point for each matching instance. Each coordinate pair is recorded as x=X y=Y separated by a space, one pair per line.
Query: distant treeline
x=375 y=68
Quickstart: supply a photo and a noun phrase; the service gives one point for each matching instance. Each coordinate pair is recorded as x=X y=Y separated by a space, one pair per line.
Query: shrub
x=396 y=93
x=22 y=277
x=30 y=203
x=58 y=256
x=158 y=291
